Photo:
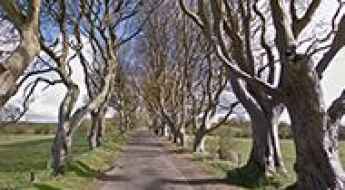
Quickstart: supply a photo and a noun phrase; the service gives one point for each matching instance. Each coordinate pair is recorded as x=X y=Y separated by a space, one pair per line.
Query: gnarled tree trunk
x=181 y=137
x=61 y=148
x=93 y=133
x=265 y=155
x=318 y=166
x=69 y=122
x=63 y=137
x=175 y=136
x=97 y=129
x=96 y=125
x=199 y=141
x=101 y=130
x=199 y=137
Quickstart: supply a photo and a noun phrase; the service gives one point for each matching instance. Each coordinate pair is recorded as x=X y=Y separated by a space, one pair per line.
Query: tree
x=124 y=100
x=183 y=80
x=209 y=118
x=61 y=52
x=298 y=88
x=232 y=35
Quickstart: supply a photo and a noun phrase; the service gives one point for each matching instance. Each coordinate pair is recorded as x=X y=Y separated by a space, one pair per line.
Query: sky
x=45 y=106
x=334 y=78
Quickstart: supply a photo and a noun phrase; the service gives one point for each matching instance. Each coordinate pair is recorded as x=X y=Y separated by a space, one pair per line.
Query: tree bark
x=63 y=137
x=199 y=141
x=60 y=149
x=165 y=132
x=101 y=129
x=93 y=131
x=161 y=129
x=170 y=133
x=318 y=166
x=175 y=136
x=265 y=155
x=97 y=129
x=276 y=150
x=180 y=137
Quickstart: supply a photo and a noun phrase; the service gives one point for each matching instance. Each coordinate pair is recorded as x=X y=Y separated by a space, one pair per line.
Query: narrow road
x=146 y=164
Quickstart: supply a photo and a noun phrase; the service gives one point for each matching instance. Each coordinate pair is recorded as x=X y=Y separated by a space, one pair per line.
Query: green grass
x=24 y=154
x=246 y=178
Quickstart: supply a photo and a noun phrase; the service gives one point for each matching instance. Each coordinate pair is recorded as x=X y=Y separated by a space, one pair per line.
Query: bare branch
x=299 y=24
x=13 y=12
x=336 y=46
x=192 y=15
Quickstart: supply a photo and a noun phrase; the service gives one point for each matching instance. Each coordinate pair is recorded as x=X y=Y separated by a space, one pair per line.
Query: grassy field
x=25 y=153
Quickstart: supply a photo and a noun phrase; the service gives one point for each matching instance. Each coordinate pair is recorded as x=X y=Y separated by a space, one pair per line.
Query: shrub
x=38 y=131
x=19 y=130
x=243 y=132
x=47 y=131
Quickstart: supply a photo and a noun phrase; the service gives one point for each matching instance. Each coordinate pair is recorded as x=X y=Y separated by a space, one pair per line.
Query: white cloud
x=334 y=80
x=46 y=102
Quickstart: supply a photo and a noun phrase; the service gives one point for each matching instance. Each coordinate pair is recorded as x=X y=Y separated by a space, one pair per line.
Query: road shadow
x=141 y=152
x=196 y=182
x=178 y=151
x=113 y=178
x=146 y=144
x=166 y=183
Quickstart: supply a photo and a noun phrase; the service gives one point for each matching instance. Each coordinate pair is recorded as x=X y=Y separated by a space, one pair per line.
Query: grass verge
x=24 y=157
x=236 y=172
x=243 y=177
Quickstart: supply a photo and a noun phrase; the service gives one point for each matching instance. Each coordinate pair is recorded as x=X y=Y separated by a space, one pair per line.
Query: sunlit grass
x=25 y=155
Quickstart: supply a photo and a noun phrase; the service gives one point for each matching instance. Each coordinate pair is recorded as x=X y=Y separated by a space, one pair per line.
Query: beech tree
x=237 y=47
x=91 y=38
x=86 y=37
x=66 y=47
x=96 y=69
x=227 y=25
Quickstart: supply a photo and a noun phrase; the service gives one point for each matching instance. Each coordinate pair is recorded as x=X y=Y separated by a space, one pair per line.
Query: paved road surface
x=145 y=164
